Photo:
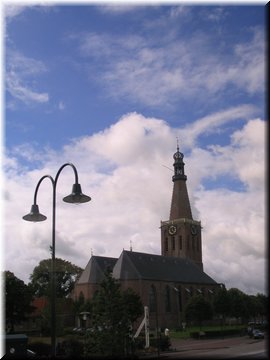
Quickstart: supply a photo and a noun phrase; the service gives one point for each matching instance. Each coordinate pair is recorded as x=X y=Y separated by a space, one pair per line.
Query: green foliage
x=71 y=348
x=18 y=298
x=66 y=274
x=235 y=303
x=62 y=306
x=163 y=342
x=82 y=305
x=198 y=309
x=238 y=303
x=113 y=313
x=255 y=307
x=221 y=302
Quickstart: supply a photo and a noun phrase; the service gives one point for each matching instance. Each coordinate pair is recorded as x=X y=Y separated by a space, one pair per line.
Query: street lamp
x=76 y=197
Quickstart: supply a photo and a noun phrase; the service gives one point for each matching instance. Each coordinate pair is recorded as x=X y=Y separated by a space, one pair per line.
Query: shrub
x=71 y=348
x=40 y=348
x=163 y=342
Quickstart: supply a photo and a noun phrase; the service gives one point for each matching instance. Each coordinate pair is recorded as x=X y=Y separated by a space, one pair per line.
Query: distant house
x=33 y=322
x=164 y=282
x=39 y=319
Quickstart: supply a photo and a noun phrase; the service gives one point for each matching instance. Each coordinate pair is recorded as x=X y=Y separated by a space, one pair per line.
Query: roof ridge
x=132 y=264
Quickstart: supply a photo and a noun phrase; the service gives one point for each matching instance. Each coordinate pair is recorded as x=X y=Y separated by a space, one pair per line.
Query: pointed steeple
x=181 y=235
x=180 y=206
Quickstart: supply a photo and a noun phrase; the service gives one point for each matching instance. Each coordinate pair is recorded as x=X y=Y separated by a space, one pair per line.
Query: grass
x=186 y=334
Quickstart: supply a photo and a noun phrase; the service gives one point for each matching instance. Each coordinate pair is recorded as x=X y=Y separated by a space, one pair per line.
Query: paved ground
x=236 y=347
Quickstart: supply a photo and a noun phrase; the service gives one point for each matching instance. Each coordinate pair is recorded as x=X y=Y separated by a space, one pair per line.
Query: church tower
x=181 y=235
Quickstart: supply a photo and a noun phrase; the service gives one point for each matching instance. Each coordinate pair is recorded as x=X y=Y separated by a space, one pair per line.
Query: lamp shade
x=76 y=197
x=34 y=215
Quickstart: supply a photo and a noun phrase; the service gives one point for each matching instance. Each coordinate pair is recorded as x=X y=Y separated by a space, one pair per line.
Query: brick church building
x=164 y=282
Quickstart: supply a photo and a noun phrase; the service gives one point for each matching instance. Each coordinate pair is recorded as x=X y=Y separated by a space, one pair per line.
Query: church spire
x=181 y=234
x=180 y=206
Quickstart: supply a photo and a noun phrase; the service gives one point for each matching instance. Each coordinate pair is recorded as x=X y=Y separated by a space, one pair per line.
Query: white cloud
x=212 y=122
x=19 y=72
x=121 y=169
x=118 y=8
x=61 y=105
x=169 y=68
x=247 y=145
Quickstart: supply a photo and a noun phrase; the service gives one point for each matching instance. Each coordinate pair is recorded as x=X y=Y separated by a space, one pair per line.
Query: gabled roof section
x=134 y=265
x=94 y=271
x=124 y=268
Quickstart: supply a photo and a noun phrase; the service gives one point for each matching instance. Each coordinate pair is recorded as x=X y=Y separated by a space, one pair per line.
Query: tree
x=238 y=303
x=66 y=274
x=198 y=309
x=262 y=301
x=221 y=302
x=113 y=313
x=18 y=298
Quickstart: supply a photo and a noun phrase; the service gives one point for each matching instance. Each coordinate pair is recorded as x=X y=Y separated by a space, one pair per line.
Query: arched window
x=152 y=299
x=167 y=299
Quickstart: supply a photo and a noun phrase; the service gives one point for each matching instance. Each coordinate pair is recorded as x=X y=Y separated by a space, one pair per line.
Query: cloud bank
x=121 y=169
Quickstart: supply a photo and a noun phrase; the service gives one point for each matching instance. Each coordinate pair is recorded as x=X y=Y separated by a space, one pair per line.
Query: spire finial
x=177 y=143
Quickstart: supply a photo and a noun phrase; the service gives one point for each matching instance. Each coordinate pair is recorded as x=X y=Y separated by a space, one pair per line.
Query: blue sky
x=109 y=88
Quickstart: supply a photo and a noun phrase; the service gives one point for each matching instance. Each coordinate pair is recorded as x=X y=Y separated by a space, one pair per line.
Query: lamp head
x=34 y=215
x=76 y=197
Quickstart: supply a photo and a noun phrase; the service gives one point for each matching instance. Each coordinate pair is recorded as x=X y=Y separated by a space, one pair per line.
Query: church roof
x=94 y=271
x=135 y=265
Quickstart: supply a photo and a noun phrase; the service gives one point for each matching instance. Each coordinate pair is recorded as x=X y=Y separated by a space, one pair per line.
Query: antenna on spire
x=167 y=167
x=177 y=143
x=130 y=245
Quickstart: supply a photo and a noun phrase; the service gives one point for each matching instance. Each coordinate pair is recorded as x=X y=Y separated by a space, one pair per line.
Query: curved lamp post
x=76 y=197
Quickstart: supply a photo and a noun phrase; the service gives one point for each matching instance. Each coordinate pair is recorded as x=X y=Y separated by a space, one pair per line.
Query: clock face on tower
x=172 y=229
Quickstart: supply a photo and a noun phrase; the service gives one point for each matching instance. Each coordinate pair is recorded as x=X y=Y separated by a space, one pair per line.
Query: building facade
x=164 y=282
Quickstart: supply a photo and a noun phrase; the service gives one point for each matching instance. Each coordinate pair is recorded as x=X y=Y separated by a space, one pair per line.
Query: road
x=238 y=348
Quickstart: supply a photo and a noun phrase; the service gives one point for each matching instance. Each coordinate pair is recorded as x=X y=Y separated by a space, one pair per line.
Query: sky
x=110 y=88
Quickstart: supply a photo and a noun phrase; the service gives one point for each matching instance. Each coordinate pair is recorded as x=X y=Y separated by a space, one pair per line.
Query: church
x=164 y=282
